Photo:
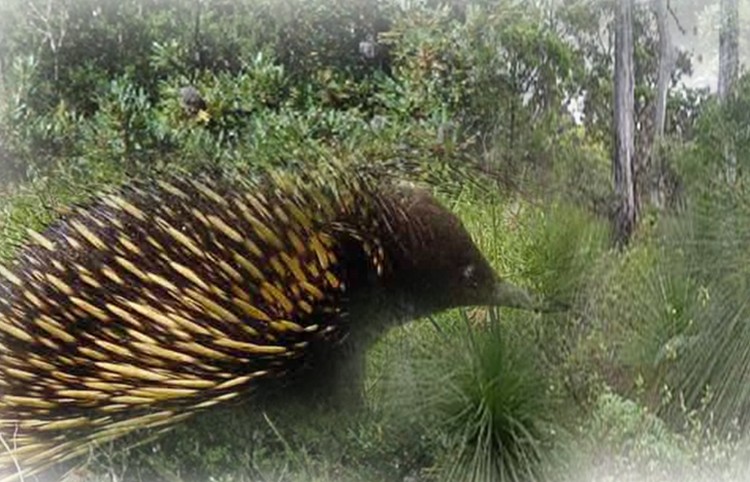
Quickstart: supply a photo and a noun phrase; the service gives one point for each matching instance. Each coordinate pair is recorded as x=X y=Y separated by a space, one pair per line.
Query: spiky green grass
x=686 y=313
x=495 y=408
x=562 y=243
x=476 y=390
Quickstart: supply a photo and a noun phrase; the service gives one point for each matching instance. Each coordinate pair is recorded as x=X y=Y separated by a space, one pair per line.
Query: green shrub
x=562 y=245
x=621 y=440
x=478 y=393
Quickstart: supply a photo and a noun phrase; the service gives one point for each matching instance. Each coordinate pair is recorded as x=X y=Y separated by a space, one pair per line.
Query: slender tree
x=729 y=35
x=50 y=19
x=665 y=67
x=666 y=62
x=624 y=125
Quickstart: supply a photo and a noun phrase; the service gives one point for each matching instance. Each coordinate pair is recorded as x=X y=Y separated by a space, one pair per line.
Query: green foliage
x=478 y=393
x=563 y=243
x=707 y=247
x=435 y=74
x=122 y=129
x=722 y=130
x=663 y=323
x=284 y=440
x=631 y=431
x=581 y=173
x=480 y=70
x=622 y=440
x=496 y=410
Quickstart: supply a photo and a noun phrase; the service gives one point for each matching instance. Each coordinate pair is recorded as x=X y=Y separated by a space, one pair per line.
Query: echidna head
x=438 y=266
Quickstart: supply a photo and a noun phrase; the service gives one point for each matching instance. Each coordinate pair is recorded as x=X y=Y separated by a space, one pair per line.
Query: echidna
x=171 y=296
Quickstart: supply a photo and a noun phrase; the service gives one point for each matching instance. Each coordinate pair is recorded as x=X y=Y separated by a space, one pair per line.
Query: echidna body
x=170 y=297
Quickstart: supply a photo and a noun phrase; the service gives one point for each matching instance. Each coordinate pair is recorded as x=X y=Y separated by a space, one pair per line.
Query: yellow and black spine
x=165 y=298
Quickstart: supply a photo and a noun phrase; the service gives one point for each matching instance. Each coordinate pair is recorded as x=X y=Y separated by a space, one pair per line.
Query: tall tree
x=660 y=109
x=729 y=35
x=624 y=125
x=665 y=68
x=729 y=40
x=50 y=19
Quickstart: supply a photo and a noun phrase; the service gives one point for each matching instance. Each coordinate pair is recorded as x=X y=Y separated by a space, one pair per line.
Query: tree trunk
x=728 y=47
x=728 y=68
x=660 y=109
x=623 y=161
x=665 y=68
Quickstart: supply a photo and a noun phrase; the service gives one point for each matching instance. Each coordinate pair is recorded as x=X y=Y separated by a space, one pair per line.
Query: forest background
x=644 y=377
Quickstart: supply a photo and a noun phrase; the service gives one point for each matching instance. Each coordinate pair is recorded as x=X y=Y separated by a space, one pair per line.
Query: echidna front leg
x=347 y=379
x=334 y=378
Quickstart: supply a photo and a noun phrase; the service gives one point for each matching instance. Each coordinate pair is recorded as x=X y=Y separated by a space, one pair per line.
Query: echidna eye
x=470 y=276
